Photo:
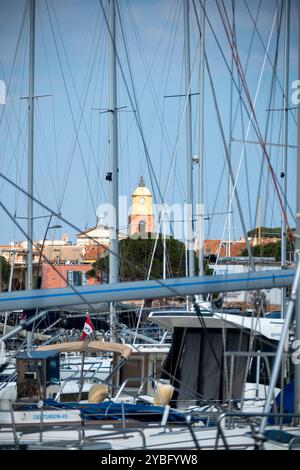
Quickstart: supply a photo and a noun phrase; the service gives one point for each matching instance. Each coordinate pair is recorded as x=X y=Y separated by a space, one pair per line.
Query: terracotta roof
x=64 y=252
x=211 y=247
x=92 y=252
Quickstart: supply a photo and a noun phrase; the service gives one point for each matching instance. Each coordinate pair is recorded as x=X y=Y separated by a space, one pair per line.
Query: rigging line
x=261 y=75
x=9 y=86
x=17 y=173
x=219 y=47
x=14 y=153
x=100 y=79
x=46 y=153
x=213 y=212
x=20 y=127
x=135 y=96
x=52 y=104
x=205 y=329
x=248 y=96
x=228 y=67
x=82 y=119
x=262 y=43
x=271 y=100
x=45 y=257
x=239 y=105
x=181 y=124
x=76 y=128
x=98 y=139
x=173 y=158
x=277 y=163
x=21 y=32
x=178 y=119
x=158 y=110
x=246 y=168
x=255 y=99
x=88 y=168
x=98 y=133
x=175 y=149
x=248 y=59
x=226 y=152
x=91 y=65
x=14 y=144
x=165 y=134
x=73 y=120
x=163 y=109
x=70 y=224
x=221 y=175
x=229 y=184
x=133 y=102
x=270 y=198
x=148 y=69
x=229 y=163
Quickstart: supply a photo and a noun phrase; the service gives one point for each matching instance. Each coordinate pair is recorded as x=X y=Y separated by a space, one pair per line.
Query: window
x=142 y=226
x=76 y=278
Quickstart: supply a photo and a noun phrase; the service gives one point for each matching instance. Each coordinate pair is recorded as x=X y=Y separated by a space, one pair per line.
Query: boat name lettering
x=51 y=416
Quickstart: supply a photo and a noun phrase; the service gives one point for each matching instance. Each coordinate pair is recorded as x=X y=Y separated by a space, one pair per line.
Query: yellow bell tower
x=141 y=219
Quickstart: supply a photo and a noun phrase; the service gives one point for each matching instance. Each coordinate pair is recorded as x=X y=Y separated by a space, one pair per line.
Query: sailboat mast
x=189 y=215
x=30 y=143
x=201 y=147
x=113 y=165
x=285 y=150
x=297 y=242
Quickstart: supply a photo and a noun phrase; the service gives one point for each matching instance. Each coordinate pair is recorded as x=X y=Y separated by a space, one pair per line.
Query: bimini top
x=271 y=328
x=88 y=347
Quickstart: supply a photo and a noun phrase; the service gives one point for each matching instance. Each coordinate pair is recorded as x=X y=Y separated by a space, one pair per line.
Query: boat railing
x=14 y=428
x=206 y=417
x=223 y=422
x=11 y=379
x=294 y=443
x=143 y=382
x=64 y=383
x=253 y=420
x=261 y=356
x=20 y=430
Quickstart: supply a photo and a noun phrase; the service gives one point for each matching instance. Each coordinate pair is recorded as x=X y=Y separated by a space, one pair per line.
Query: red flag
x=87 y=329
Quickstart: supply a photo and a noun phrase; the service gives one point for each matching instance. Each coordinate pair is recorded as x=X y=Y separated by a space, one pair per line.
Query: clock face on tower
x=142 y=200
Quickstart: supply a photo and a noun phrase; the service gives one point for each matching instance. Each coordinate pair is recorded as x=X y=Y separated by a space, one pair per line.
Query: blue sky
x=71 y=139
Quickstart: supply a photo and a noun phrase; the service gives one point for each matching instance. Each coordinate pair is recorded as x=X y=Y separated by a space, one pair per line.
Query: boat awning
x=88 y=347
x=271 y=328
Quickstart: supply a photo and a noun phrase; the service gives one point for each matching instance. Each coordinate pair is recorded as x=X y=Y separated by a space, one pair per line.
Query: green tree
x=135 y=256
x=4 y=272
x=270 y=250
x=273 y=232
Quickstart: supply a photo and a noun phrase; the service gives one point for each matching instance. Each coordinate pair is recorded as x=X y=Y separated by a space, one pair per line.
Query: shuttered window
x=76 y=278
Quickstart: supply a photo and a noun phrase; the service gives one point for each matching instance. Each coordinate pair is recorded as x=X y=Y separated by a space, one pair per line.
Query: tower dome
x=141 y=189
x=141 y=217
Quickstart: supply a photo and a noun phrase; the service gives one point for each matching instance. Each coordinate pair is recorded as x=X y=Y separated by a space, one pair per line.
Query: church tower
x=141 y=219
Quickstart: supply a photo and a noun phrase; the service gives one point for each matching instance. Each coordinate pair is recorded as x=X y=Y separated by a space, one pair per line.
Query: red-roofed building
x=218 y=248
